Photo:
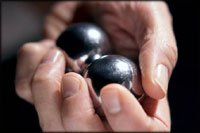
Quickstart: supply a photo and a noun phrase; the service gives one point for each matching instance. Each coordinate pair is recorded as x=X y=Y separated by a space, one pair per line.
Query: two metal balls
x=88 y=49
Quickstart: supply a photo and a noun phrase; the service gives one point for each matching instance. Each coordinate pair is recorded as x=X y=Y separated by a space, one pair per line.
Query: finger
x=158 y=55
x=124 y=112
x=53 y=27
x=29 y=56
x=59 y=17
x=78 y=113
x=64 y=10
x=46 y=87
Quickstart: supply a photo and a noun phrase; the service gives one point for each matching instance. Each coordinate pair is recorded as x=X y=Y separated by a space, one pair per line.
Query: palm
x=126 y=24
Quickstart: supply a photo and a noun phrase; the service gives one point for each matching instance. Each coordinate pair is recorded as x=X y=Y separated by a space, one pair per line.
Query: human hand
x=154 y=114
x=63 y=101
x=138 y=30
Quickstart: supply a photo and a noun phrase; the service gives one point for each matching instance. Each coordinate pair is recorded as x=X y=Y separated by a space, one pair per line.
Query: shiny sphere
x=112 y=69
x=82 y=40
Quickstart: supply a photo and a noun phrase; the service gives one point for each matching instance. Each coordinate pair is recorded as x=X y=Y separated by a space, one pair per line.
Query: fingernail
x=162 y=77
x=111 y=102
x=71 y=85
x=53 y=56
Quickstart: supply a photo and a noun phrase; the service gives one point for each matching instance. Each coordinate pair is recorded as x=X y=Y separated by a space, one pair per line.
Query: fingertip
x=110 y=99
x=148 y=61
x=114 y=87
x=121 y=108
x=112 y=94
x=162 y=77
x=74 y=75
x=111 y=87
x=155 y=65
x=152 y=88
x=72 y=83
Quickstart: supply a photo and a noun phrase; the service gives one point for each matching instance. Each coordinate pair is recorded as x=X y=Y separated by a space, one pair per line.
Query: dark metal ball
x=81 y=39
x=113 y=69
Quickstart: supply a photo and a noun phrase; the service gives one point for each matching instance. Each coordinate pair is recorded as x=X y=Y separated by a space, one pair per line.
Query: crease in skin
x=162 y=122
x=123 y=30
x=155 y=109
x=122 y=43
x=86 y=108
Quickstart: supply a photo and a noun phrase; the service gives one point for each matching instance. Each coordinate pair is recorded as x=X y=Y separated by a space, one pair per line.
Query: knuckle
x=22 y=89
x=28 y=48
x=19 y=91
x=19 y=83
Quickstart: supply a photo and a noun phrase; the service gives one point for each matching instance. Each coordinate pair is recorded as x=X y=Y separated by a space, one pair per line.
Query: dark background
x=183 y=88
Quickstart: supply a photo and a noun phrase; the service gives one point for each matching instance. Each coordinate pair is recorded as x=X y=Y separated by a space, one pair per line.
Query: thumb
x=158 y=57
x=158 y=52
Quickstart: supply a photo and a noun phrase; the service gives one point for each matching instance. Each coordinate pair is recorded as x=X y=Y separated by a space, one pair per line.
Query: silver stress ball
x=114 y=69
x=83 y=43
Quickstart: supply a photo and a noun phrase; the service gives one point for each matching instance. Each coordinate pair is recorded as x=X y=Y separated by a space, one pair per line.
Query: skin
x=138 y=30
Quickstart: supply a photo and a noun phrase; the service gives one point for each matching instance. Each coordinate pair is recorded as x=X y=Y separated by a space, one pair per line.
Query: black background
x=183 y=89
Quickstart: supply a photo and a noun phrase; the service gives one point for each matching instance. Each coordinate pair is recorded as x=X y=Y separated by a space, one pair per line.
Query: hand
x=149 y=30
x=63 y=101
x=138 y=30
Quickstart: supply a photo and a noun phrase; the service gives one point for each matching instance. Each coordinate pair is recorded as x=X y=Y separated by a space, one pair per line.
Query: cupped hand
x=63 y=101
x=137 y=30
